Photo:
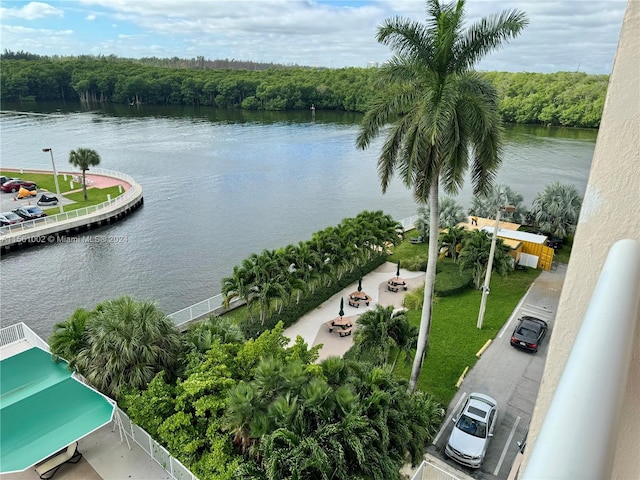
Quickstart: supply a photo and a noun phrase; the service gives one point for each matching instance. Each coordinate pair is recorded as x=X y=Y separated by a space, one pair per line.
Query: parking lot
x=510 y=376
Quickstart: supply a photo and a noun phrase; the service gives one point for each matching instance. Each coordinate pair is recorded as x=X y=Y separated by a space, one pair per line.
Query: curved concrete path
x=312 y=326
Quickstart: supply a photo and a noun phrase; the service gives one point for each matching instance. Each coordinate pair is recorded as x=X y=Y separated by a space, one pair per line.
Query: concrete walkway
x=104 y=457
x=311 y=327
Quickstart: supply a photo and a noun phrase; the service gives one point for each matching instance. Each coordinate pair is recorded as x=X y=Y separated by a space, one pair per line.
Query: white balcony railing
x=579 y=432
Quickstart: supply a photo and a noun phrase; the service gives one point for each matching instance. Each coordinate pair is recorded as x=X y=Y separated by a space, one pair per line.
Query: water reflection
x=218 y=186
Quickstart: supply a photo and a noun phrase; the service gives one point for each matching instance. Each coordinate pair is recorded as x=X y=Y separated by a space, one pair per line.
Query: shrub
x=452 y=282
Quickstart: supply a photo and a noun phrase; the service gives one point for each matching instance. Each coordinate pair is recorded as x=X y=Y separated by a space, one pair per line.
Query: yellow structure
x=528 y=249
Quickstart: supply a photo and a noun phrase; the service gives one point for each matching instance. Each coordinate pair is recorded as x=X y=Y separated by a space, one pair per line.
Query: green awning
x=43 y=409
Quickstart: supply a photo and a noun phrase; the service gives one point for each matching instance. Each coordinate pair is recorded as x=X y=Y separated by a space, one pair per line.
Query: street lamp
x=487 y=277
x=55 y=177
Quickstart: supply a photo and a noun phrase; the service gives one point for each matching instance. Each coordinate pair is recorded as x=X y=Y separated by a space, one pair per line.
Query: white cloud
x=561 y=34
x=31 y=11
x=91 y=17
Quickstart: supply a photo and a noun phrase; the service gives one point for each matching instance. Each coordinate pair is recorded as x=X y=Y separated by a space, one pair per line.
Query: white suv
x=472 y=431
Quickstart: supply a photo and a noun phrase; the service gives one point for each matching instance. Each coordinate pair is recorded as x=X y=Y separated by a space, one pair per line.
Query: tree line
x=572 y=99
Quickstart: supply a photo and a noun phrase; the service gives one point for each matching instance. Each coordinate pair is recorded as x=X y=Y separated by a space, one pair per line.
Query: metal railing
x=430 y=471
x=161 y=455
x=197 y=310
x=579 y=433
x=409 y=223
x=26 y=226
x=20 y=331
x=209 y=305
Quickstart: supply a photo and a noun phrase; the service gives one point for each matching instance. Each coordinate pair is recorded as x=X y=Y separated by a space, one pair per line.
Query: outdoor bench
x=354 y=303
x=346 y=331
x=392 y=289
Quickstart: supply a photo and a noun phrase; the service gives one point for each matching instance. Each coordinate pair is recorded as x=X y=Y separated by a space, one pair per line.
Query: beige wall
x=610 y=212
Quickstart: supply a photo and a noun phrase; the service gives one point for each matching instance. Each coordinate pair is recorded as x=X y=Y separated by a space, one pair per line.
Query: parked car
x=15 y=184
x=11 y=218
x=555 y=243
x=472 y=431
x=4 y=179
x=30 y=212
x=528 y=333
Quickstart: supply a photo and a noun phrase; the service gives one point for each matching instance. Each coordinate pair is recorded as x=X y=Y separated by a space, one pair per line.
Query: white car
x=472 y=431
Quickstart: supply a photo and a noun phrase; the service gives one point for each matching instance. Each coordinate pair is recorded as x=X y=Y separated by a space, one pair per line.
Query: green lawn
x=95 y=196
x=44 y=180
x=455 y=338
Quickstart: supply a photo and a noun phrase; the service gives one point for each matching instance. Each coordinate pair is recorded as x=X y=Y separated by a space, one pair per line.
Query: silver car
x=472 y=431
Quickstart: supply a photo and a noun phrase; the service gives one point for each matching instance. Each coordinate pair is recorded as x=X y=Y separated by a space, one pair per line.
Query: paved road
x=510 y=376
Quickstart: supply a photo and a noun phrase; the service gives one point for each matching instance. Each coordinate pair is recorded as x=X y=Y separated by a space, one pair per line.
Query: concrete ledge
x=37 y=232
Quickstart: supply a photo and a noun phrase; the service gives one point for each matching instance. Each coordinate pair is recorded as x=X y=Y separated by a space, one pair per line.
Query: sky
x=563 y=35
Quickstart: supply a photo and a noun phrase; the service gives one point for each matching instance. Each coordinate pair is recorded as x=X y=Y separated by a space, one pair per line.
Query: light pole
x=487 y=277
x=55 y=177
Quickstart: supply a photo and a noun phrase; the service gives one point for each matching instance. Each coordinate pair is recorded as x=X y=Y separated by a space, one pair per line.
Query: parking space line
x=444 y=424
x=506 y=447
x=515 y=310
x=530 y=306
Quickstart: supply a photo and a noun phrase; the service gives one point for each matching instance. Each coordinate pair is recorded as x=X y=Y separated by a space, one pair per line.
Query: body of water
x=219 y=186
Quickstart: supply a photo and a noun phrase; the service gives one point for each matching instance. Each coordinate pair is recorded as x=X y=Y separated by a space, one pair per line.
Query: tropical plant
x=451 y=214
x=201 y=336
x=68 y=337
x=127 y=344
x=556 y=209
x=500 y=195
x=444 y=115
x=451 y=238
x=474 y=256
x=83 y=158
x=346 y=421
x=382 y=332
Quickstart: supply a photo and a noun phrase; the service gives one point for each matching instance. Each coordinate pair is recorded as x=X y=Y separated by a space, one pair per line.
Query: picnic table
x=358 y=297
x=394 y=283
x=341 y=323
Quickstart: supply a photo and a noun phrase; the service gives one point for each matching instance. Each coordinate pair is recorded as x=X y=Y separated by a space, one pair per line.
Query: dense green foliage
x=564 y=98
x=573 y=99
x=120 y=344
x=283 y=284
x=500 y=195
x=261 y=410
x=474 y=256
x=382 y=336
x=556 y=209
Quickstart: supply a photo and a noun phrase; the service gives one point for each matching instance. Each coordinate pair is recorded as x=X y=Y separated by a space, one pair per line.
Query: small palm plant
x=83 y=158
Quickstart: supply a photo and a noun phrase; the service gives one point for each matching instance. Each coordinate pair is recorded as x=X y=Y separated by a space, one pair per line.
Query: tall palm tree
x=83 y=158
x=556 y=209
x=444 y=115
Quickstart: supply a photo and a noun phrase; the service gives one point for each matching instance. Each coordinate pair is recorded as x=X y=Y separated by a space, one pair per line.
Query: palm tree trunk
x=429 y=285
x=84 y=183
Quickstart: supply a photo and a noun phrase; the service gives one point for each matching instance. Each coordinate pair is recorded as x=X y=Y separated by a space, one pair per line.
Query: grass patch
x=562 y=255
x=44 y=181
x=96 y=196
x=455 y=339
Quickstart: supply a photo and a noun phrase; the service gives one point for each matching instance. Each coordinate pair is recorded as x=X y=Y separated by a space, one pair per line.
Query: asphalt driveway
x=510 y=376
